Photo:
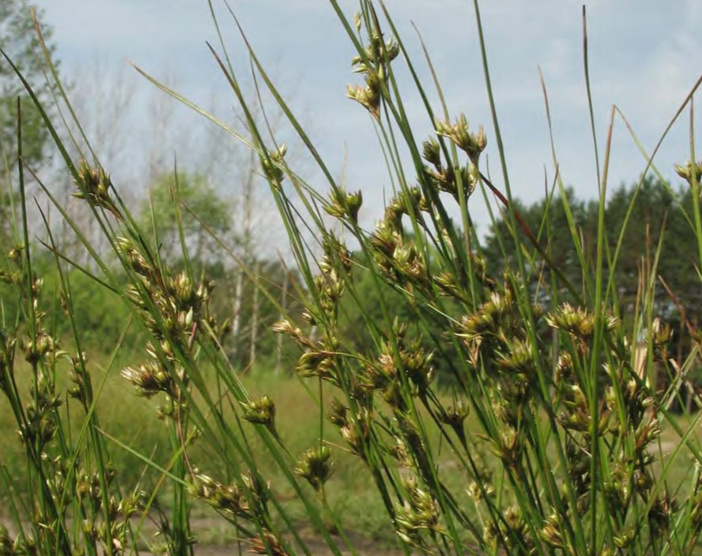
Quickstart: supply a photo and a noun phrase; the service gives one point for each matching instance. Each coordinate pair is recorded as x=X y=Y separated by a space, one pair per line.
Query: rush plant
x=549 y=439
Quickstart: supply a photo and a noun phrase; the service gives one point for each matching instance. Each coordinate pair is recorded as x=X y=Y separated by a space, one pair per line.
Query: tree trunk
x=279 y=340
x=254 y=316
x=236 y=316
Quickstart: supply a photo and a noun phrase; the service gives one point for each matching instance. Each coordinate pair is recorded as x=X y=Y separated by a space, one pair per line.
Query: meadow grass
x=554 y=436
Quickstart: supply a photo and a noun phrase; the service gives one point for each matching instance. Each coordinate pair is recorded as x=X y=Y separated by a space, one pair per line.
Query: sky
x=644 y=57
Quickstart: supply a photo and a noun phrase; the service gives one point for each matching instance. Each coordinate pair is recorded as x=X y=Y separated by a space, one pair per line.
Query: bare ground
x=314 y=543
x=215 y=542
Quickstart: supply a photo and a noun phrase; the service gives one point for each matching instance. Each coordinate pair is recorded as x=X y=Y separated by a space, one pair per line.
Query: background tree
x=657 y=216
x=652 y=208
x=548 y=221
x=20 y=42
x=204 y=214
x=658 y=242
x=259 y=281
x=365 y=305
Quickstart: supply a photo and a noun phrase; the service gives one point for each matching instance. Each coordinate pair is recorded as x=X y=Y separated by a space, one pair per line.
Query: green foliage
x=649 y=222
x=186 y=202
x=269 y=308
x=21 y=43
x=546 y=219
x=100 y=314
x=648 y=228
x=556 y=438
x=361 y=309
x=563 y=459
x=262 y=295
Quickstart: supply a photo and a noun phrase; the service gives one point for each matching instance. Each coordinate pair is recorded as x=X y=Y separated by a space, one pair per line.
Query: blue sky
x=644 y=57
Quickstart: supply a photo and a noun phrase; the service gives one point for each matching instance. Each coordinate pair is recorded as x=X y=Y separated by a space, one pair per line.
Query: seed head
x=482 y=487
x=507 y=446
x=417 y=515
x=134 y=257
x=357 y=21
x=431 y=151
x=471 y=143
x=687 y=170
x=267 y=543
x=94 y=185
x=260 y=411
x=551 y=532
x=338 y=413
x=225 y=498
x=576 y=321
x=315 y=466
x=273 y=165
x=345 y=205
x=624 y=539
x=455 y=415
x=659 y=337
x=368 y=96
x=151 y=378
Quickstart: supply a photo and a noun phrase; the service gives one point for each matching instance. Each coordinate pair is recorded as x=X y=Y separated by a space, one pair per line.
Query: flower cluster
x=94 y=185
x=374 y=65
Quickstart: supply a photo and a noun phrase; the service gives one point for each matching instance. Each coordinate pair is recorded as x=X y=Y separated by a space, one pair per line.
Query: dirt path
x=317 y=547
x=214 y=541
x=204 y=528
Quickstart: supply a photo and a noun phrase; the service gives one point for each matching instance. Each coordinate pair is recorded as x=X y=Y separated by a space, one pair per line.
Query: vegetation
x=662 y=216
x=161 y=214
x=21 y=43
x=552 y=430
x=19 y=40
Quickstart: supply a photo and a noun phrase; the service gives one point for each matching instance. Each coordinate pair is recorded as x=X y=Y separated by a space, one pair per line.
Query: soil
x=315 y=544
x=211 y=528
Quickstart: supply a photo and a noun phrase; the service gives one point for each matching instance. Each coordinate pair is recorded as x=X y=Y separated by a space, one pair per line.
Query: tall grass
x=551 y=440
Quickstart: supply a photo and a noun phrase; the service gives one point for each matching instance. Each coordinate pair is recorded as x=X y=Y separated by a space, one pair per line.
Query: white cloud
x=644 y=56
